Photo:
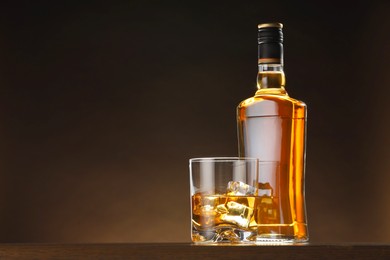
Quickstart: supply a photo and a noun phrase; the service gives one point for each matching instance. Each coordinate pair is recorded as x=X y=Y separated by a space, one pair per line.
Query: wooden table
x=190 y=251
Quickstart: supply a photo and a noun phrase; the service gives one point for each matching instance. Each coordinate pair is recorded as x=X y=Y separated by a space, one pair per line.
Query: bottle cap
x=270 y=40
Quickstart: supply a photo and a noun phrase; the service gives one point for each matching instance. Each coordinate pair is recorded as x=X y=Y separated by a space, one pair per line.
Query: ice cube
x=237 y=214
x=239 y=188
x=221 y=209
x=265 y=189
x=268 y=212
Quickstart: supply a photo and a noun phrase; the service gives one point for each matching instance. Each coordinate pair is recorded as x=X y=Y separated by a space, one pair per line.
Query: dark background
x=103 y=103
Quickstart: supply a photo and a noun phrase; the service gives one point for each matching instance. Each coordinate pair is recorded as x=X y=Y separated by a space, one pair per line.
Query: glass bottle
x=272 y=127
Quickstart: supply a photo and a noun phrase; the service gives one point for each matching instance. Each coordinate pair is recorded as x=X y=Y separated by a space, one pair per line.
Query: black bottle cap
x=270 y=40
x=270 y=32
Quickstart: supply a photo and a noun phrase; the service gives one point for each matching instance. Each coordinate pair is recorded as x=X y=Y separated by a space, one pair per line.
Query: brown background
x=103 y=103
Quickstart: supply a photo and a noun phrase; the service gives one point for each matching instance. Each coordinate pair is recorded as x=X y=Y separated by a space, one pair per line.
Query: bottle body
x=272 y=127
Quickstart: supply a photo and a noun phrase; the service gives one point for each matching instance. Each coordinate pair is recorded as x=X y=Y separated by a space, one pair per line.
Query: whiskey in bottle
x=272 y=127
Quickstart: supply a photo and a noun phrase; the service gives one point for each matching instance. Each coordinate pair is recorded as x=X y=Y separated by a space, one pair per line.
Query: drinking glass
x=224 y=196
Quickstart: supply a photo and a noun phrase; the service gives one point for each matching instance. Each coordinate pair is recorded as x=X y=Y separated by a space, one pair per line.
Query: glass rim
x=223 y=159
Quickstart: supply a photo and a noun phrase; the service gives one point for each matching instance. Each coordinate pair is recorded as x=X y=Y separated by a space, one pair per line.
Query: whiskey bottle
x=272 y=127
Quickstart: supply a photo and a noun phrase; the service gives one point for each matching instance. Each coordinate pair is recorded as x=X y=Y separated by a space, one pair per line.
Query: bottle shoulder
x=280 y=99
x=272 y=105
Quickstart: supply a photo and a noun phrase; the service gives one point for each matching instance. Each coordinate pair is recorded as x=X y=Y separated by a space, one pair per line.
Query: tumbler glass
x=224 y=196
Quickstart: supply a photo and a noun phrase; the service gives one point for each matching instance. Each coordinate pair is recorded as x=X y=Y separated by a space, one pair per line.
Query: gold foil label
x=269 y=60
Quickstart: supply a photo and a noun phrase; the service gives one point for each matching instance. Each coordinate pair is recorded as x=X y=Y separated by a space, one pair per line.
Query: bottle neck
x=271 y=79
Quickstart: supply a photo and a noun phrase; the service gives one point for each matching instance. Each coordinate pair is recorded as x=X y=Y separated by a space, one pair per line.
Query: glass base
x=236 y=236
x=226 y=235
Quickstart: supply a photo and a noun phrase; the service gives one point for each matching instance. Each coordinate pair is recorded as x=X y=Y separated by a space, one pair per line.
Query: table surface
x=191 y=251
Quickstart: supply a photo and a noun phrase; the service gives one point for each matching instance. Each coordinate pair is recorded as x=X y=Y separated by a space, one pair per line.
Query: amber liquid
x=223 y=210
x=227 y=217
x=271 y=127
